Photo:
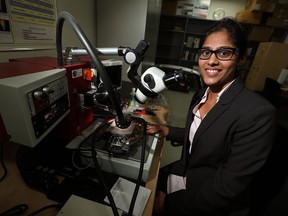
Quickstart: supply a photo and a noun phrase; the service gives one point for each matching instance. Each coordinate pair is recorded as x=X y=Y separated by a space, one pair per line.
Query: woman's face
x=217 y=73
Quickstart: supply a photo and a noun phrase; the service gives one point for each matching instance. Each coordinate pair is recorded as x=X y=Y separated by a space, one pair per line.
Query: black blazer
x=230 y=146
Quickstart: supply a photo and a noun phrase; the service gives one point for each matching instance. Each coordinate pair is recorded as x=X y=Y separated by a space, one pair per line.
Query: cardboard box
x=261 y=5
x=261 y=33
x=245 y=16
x=279 y=17
x=275 y=22
x=281 y=11
x=270 y=59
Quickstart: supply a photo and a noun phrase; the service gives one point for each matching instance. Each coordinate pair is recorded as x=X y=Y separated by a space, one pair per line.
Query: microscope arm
x=133 y=57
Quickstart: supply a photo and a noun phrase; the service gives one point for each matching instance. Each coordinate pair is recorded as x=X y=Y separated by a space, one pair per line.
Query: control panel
x=47 y=103
x=33 y=104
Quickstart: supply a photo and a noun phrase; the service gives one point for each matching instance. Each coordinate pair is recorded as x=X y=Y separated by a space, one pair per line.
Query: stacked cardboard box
x=261 y=5
x=246 y=16
x=261 y=33
x=270 y=59
x=254 y=10
x=279 y=17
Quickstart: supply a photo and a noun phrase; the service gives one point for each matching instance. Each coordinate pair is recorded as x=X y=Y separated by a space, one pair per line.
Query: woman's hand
x=153 y=129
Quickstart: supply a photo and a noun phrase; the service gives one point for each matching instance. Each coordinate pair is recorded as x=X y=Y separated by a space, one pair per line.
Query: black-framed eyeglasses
x=223 y=54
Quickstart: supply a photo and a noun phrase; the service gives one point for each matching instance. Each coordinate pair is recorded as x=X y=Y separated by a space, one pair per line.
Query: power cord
x=17 y=210
x=139 y=179
x=56 y=206
x=97 y=135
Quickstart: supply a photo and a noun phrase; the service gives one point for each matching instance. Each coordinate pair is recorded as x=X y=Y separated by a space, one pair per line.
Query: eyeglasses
x=223 y=54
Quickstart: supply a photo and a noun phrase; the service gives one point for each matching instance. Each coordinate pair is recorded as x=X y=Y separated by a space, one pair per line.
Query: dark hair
x=237 y=33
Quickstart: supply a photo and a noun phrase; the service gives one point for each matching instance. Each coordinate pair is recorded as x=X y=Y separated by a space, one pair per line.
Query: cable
x=75 y=163
x=17 y=210
x=20 y=209
x=95 y=137
x=138 y=183
x=96 y=164
x=57 y=206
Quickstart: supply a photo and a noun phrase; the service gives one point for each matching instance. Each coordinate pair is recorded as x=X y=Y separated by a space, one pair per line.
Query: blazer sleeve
x=176 y=134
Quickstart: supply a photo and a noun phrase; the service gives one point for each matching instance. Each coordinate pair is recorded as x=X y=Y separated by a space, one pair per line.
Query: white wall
x=121 y=23
x=84 y=13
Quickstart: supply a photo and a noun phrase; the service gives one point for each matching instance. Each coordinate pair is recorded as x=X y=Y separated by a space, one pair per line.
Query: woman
x=228 y=135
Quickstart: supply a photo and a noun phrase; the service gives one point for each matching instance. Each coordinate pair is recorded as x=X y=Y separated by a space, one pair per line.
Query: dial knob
x=38 y=94
x=47 y=90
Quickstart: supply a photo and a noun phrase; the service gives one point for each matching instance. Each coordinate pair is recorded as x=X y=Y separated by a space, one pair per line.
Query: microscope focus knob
x=149 y=80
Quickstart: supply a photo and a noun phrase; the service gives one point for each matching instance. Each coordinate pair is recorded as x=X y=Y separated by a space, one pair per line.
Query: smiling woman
x=228 y=134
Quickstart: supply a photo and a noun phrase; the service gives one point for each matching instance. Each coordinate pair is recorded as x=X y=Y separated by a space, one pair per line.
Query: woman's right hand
x=153 y=129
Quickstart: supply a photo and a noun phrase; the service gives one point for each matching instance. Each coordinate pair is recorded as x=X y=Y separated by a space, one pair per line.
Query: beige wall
x=84 y=13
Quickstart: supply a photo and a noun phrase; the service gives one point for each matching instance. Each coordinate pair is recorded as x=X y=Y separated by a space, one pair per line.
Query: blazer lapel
x=222 y=105
x=195 y=100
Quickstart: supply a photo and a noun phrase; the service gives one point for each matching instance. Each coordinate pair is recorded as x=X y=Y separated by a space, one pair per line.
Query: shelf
x=195 y=33
x=176 y=45
x=195 y=49
x=172 y=31
x=167 y=44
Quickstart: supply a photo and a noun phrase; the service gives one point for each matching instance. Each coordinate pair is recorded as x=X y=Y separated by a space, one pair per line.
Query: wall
x=121 y=23
x=84 y=13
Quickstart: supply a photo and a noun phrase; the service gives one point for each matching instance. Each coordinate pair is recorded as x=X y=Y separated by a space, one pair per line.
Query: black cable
x=17 y=210
x=138 y=183
x=56 y=206
x=97 y=167
x=94 y=138
x=140 y=174
x=20 y=209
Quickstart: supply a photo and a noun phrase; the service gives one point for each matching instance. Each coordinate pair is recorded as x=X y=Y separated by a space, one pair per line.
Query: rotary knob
x=38 y=95
x=150 y=81
x=47 y=90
